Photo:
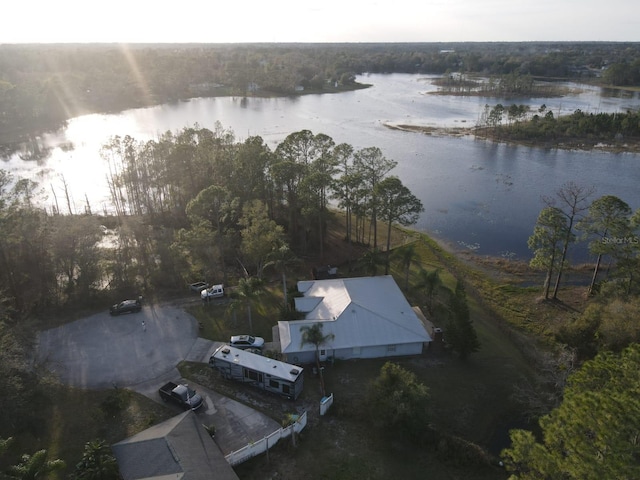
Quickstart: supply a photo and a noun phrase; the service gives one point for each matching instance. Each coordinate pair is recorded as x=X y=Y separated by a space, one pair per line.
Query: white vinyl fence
x=325 y=403
x=261 y=446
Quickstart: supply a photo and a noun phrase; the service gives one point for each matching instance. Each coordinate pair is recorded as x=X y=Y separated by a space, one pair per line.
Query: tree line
x=608 y=224
x=43 y=85
x=194 y=204
x=519 y=123
x=610 y=227
x=626 y=72
x=203 y=176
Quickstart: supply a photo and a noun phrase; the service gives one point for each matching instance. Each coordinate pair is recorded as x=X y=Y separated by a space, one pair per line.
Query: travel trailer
x=262 y=372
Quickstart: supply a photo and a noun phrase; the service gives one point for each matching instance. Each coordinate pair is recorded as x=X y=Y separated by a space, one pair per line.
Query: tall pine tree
x=460 y=332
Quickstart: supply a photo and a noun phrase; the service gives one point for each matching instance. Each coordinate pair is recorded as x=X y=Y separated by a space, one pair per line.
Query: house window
x=286 y=389
x=391 y=348
x=323 y=352
x=274 y=384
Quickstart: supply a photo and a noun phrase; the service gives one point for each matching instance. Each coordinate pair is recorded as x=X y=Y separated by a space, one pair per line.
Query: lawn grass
x=345 y=443
x=220 y=320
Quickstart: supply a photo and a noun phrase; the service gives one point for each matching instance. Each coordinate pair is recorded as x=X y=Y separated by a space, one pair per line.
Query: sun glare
x=198 y=21
x=140 y=80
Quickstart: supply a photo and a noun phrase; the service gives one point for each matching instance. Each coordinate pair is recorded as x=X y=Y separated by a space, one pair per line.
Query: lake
x=477 y=195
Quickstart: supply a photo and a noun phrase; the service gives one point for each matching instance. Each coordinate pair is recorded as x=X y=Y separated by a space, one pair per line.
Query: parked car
x=217 y=291
x=126 y=306
x=246 y=341
x=324 y=272
x=198 y=286
x=182 y=395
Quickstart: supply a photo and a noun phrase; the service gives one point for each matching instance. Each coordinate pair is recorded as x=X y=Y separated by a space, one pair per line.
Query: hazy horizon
x=288 y=21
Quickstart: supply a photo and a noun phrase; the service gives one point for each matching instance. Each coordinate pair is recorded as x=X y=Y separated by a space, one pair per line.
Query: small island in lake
x=613 y=132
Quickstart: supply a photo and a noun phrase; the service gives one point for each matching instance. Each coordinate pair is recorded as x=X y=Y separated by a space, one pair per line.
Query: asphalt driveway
x=101 y=351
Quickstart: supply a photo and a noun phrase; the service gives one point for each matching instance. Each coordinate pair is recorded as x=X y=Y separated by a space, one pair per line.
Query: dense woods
x=189 y=205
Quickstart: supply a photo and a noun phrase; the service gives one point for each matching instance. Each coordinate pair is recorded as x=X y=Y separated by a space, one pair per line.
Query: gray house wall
x=375 y=351
x=301 y=358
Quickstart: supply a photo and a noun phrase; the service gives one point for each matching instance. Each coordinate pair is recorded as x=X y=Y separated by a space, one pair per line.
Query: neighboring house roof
x=179 y=448
x=359 y=312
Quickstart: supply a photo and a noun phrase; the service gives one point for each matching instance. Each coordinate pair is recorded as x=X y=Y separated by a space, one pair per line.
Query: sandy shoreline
x=632 y=147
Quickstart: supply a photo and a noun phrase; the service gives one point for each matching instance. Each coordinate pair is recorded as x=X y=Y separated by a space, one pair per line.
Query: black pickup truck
x=182 y=395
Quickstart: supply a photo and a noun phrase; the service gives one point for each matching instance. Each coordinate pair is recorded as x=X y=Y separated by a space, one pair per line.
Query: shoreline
x=509 y=270
x=633 y=148
x=23 y=133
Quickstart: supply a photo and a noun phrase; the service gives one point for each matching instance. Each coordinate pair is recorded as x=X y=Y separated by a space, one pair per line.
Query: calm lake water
x=477 y=195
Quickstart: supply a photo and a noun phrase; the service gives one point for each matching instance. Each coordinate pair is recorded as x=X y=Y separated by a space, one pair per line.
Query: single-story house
x=178 y=448
x=369 y=317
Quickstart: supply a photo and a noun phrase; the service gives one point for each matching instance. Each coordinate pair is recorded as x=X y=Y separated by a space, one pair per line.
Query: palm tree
x=407 y=255
x=429 y=281
x=249 y=289
x=313 y=334
x=35 y=466
x=370 y=261
x=97 y=462
x=281 y=259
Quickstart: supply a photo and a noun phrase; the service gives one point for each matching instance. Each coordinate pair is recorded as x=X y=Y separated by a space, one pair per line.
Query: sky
x=242 y=21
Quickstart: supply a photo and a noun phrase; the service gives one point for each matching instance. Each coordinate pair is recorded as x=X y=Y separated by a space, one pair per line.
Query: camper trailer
x=261 y=372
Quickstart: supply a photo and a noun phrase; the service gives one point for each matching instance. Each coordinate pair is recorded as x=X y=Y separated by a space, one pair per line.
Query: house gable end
x=307 y=304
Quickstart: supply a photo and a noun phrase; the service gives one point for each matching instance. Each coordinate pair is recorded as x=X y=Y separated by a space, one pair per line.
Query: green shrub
x=116 y=402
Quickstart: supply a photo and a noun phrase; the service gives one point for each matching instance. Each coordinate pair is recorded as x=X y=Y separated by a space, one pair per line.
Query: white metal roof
x=359 y=312
x=275 y=368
